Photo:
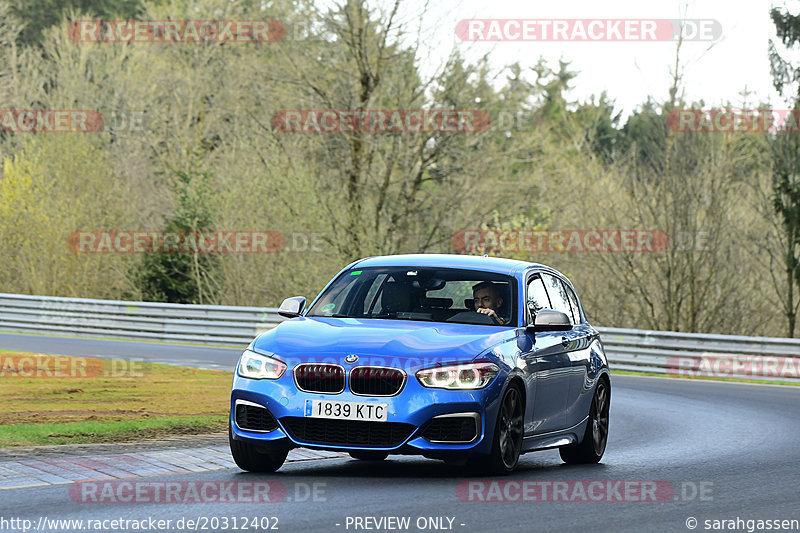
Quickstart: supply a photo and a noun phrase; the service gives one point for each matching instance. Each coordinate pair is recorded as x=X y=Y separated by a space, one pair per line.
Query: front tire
x=507 y=441
x=254 y=459
x=591 y=448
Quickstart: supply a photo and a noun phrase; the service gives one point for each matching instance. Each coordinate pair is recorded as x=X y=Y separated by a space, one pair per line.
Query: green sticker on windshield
x=355 y=272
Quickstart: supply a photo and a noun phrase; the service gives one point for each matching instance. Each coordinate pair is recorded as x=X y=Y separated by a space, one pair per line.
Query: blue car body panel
x=556 y=371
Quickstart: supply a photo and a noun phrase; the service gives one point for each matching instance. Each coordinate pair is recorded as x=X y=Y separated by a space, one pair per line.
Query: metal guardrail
x=204 y=324
x=702 y=354
x=627 y=349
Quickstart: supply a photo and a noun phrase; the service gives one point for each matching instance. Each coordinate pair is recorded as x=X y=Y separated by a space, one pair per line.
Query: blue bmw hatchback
x=467 y=359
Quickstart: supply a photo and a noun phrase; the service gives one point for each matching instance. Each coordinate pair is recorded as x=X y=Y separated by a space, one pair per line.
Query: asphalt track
x=726 y=451
x=172 y=354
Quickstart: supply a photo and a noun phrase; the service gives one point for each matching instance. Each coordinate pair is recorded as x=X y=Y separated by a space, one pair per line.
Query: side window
x=558 y=295
x=576 y=310
x=537 y=295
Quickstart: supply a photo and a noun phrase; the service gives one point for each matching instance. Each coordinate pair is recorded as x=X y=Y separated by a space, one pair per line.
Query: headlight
x=468 y=376
x=256 y=366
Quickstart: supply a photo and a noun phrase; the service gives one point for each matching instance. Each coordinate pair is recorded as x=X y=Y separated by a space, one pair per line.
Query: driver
x=488 y=300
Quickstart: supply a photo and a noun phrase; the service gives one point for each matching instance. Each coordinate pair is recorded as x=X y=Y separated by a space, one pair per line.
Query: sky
x=716 y=72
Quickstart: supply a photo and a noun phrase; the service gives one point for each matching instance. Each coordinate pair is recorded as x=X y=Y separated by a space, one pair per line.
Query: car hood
x=378 y=341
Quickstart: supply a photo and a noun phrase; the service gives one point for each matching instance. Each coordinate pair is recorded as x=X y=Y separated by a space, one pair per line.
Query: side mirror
x=292 y=307
x=550 y=320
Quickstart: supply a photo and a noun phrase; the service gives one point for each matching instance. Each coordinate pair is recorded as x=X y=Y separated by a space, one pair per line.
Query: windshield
x=424 y=294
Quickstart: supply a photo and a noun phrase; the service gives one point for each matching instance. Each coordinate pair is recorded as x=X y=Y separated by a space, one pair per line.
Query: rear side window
x=558 y=295
x=573 y=300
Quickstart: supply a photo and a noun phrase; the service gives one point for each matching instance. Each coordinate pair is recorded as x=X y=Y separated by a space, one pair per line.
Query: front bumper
x=415 y=405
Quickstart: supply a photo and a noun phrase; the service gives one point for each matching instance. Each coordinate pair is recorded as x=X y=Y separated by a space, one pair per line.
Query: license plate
x=372 y=412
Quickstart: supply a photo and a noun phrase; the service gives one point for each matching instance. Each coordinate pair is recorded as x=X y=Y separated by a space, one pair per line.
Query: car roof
x=497 y=265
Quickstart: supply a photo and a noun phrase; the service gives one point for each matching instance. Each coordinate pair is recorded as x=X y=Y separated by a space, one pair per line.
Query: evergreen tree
x=786 y=161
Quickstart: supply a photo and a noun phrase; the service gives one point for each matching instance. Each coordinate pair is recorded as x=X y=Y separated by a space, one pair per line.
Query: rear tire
x=254 y=459
x=591 y=448
x=367 y=455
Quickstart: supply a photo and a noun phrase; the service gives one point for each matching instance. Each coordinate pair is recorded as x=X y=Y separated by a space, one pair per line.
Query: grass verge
x=706 y=378
x=47 y=399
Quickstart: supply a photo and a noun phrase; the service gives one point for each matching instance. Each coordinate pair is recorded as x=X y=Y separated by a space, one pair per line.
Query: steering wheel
x=495 y=319
x=474 y=317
